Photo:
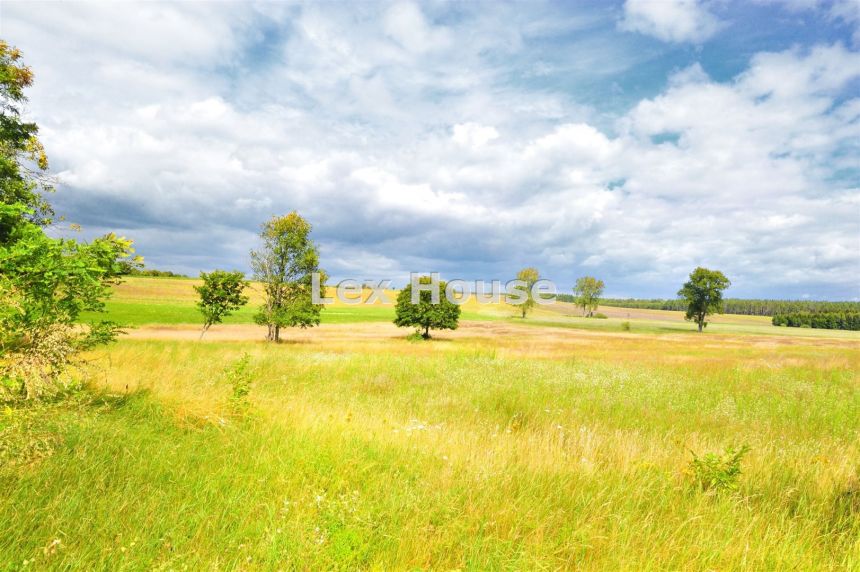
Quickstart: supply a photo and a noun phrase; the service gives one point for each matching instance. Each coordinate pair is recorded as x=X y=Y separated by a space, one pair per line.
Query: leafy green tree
x=587 y=292
x=23 y=163
x=529 y=276
x=220 y=295
x=425 y=315
x=703 y=293
x=285 y=264
x=46 y=284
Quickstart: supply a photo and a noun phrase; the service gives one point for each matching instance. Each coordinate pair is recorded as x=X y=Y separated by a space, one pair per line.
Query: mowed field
x=550 y=443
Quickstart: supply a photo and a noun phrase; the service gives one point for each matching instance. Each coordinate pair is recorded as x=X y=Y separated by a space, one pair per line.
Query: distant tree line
x=131 y=268
x=155 y=273
x=746 y=307
x=822 y=320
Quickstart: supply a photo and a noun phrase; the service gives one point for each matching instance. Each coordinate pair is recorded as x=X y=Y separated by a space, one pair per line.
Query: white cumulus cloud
x=671 y=20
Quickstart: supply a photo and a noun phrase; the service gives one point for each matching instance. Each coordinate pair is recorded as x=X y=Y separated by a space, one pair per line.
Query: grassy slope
x=140 y=301
x=524 y=450
x=481 y=453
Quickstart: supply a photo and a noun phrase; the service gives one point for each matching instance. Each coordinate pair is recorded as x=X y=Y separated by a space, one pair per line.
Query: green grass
x=141 y=313
x=142 y=301
x=645 y=326
x=466 y=454
x=138 y=313
x=505 y=446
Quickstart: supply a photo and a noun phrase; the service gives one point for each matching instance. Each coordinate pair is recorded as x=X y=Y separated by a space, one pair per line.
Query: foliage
x=529 y=276
x=599 y=316
x=23 y=163
x=714 y=472
x=238 y=375
x=704 y=294
x=823 y=320
x=587 y=293
x=285 y=264
x=220 y=295
x=625 y=326
x=425 y=315
x=45 y=283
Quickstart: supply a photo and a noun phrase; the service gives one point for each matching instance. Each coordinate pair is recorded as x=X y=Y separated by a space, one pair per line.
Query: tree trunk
x=206 y=327
x=426 y=334
x=524 y=310
x=701 y=325
x=277 y=333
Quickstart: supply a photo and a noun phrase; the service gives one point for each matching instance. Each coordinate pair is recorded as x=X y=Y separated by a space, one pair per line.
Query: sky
x=630 y=140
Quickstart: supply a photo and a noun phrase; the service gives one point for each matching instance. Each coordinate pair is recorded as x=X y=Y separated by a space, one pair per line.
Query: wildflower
x=52 y=547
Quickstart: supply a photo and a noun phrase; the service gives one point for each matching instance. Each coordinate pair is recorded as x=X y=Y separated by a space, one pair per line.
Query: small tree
x=588 y=291
x=704 y=294
x=529 y=276
x=46 y=283
x=425 y=315
x=285 y=265
x=220 y=295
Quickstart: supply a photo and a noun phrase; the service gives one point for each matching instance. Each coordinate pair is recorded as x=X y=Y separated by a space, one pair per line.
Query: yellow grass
x=503 y=445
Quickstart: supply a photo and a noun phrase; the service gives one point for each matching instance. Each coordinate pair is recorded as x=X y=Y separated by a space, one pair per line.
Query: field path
x=511 y=334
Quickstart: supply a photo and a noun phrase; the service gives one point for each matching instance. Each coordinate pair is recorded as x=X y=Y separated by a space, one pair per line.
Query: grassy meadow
x=550 y=443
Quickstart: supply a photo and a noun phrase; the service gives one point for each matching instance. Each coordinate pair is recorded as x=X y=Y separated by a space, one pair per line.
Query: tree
x=588 y=291
x=425 y=315
x=45 y=283
x=703 y=293
x=285 y=264
x=220 y=295
x=23 y=163
x=529 y=276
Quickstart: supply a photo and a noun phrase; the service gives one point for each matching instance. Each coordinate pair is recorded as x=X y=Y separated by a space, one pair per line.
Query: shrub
x=625 y=326
x=238 y=376
x=714 y=472
x=599 y=316
x=46 y=283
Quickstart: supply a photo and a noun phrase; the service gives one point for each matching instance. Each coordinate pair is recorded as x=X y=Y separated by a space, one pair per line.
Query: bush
x=599 y=316
x=45 y=285
x=625 y=326
x=713 y=472
x=239 y=377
